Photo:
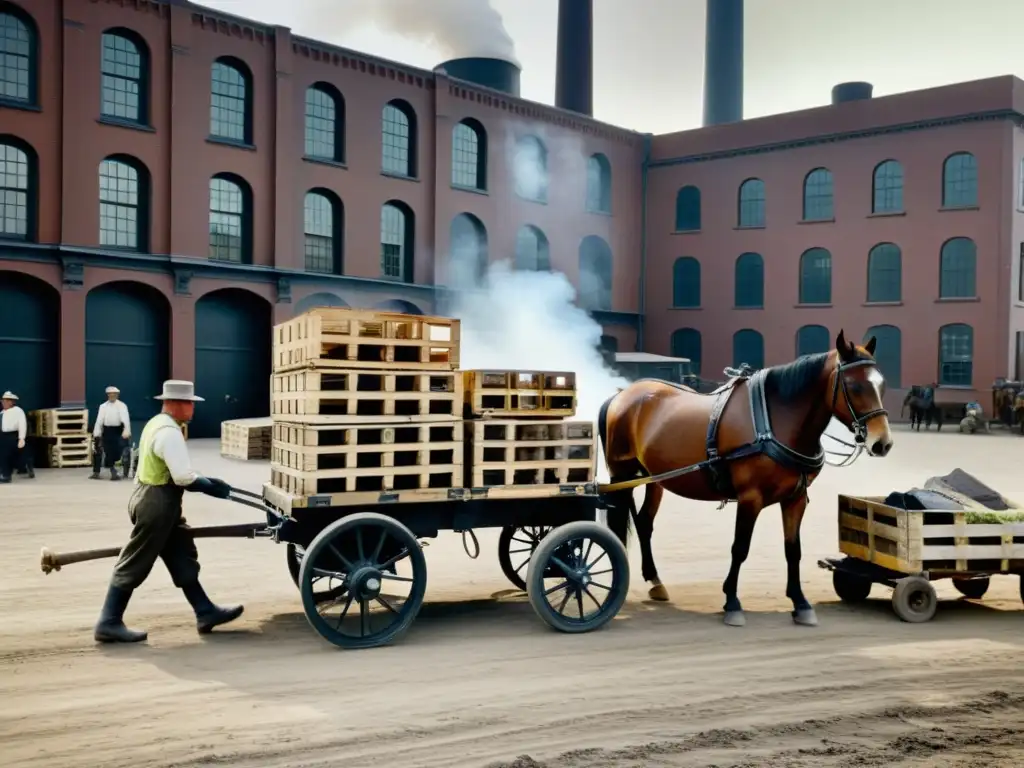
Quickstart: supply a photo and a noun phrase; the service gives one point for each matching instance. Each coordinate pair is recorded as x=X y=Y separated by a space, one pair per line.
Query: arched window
x=123 y=203
x=323 y=232
x=686 y=342
x=325 y=123
x=530 y=169
x=532 y=250
x=888 y=353
x=688 y=215
x=595 y=260
x=751 y=203
x=816 y=277
x=397 y=228
x=599 y=184
x=125 y=77
x=885 y=270
x=957 y=268
x=230 y=219
x=887 y=194
x=749 y=288
x=468 y=259
x=812 y=339
x=19 y=42
x=818 y=196
x=469 y=155
x=748 y=347
x=960 y=181
x=956 y=355
x=231 y=101
x=686 y=283
x=18 y=183
x=398 y=139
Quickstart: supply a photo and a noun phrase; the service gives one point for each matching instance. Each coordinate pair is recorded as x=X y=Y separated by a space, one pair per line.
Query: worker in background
x=13 y=433
x=113 y=427
x=163 y=475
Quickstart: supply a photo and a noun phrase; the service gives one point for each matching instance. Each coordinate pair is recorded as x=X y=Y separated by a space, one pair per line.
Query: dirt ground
x=479 y=680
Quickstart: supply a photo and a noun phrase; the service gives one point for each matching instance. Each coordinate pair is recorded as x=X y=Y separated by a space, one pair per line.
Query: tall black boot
x=110 y=628
x=209 y=615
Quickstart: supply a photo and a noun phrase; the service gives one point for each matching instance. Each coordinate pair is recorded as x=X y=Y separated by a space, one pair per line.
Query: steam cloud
x=455 y=28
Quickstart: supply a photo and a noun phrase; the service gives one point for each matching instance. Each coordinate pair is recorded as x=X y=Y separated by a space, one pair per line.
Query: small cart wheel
x=972 y=589
x=515 y=548
x=327 y=587
x=384 y=574
x=578 y=577
x=914 y=599
x=850 y=587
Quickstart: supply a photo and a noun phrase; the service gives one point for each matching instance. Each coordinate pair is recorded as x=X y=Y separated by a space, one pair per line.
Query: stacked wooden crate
x=64 y=433
x=365 y=403
x=519 y=433
x=246 y=439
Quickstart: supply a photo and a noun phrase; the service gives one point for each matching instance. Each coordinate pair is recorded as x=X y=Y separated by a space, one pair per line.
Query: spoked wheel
x=578 y=577
x=381 y=568
x=849 y=587
x=515 y=548
x=972 y=589
x=914 y=599
x=325 y=587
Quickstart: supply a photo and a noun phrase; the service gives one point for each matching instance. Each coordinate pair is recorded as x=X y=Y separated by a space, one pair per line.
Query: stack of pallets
x=365 y=403
x=246 y=439
x=64 y=434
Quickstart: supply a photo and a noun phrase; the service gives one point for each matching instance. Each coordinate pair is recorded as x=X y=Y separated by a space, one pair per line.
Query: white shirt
x=169 y=445
x=112 y=414
x=14 y=420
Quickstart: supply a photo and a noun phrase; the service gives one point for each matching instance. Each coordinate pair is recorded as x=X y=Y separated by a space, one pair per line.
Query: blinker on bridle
x=860 y=420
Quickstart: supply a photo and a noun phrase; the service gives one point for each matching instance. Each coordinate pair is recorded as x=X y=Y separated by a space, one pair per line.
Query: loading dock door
x=29 y=340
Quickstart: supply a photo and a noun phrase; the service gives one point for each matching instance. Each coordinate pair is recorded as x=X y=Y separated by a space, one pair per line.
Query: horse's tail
x=618 y=503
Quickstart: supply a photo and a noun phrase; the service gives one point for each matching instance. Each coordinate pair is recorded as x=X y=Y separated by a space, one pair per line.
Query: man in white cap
x=163 y=475
x=113 y=427
x=13 y=431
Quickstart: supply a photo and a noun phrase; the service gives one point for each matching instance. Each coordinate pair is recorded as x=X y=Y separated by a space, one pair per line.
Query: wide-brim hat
x=176 y=389
x=112 y=391
x=8 y=395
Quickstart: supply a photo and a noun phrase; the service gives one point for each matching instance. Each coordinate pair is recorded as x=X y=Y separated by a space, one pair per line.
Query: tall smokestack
x=574 y=75
x=723 y=62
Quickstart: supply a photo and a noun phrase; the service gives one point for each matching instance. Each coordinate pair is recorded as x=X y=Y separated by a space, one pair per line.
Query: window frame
x=887 y=182
x=31 y=100
x=229 y=63
x=335 y=102
x=747 y=333
x=140 y=207
x=245 y=216
x=945 y=292
x=406 y=254
x=750 y=213
x=812 y=196
x=398 y=147
x=30 y=190
x=878 y=251
x=737 y=283
x=112 y=35
x=599 y=173
x=690 y=291
x=334 y=239
x=544 y=160
x=965 y=177
x=967 y=364
x=469 y=155
x=689 y=209
x=802 y=294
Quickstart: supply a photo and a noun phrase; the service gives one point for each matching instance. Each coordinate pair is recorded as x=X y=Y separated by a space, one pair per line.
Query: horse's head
x=857 y=391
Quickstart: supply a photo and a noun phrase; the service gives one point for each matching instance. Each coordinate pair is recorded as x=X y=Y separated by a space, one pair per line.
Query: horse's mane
x=790 y=380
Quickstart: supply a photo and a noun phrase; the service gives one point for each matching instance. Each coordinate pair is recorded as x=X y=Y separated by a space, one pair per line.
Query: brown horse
x=757 y=439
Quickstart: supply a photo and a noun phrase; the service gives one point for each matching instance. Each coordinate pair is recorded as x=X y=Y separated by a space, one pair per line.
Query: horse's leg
x=792 y=516
x=746 y=517
x=644 y=532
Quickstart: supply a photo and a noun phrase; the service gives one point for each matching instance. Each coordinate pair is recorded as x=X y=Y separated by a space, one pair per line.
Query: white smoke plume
x=454 y=28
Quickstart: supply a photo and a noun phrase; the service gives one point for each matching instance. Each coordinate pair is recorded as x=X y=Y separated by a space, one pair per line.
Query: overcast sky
x=648 y=54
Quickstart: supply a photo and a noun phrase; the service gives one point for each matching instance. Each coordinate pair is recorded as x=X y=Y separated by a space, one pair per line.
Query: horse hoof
x=805 y=617
x=735 y=619
x=659 y=593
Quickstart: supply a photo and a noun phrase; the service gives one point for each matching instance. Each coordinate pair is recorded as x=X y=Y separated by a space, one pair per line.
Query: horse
x=921 y=401
x=759 y=444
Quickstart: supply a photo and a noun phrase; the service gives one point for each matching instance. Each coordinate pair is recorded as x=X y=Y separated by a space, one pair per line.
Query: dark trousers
x=110 y=447
x=12 y=457
x=159 y=531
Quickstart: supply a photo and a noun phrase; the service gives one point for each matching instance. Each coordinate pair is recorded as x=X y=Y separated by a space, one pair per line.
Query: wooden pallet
x=52 y=422
x=333 y=337
x=373 y=480
x=332 y=396
x=328 y=447
x=521 y=452
x=246 y=439
x=937 y=541
x=70 y=451
x=519 y=394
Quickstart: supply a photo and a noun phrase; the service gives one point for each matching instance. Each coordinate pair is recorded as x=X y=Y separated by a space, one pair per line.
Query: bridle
x=859 y=421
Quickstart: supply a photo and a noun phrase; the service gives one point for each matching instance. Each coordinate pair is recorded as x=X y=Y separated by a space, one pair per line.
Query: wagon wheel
x=515 y=548
x=850 y=587
x=326 y=585
x=972 y=589
x=381 y=565
x=914 y=599
x=578 y=577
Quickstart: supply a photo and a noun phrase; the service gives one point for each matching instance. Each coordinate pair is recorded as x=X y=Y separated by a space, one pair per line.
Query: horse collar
x=764 y=436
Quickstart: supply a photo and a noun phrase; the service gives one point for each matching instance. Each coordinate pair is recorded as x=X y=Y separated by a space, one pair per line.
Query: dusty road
x=480 y=681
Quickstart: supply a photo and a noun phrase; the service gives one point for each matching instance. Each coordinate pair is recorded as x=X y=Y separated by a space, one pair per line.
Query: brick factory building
x=175 y=180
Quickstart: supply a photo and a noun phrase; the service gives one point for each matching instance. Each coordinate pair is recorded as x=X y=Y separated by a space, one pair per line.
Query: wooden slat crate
x=308 y=448
x=246 y=439
x=372 y=480
x=67 y=451
x=937 y=541
x=519 y=394
x=330 y=396
x=52 y=422
x=522 y=452
x=333 y=337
